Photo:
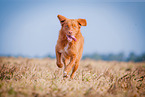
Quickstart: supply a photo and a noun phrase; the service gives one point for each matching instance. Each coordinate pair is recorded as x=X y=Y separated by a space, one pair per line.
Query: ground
x=22 y=77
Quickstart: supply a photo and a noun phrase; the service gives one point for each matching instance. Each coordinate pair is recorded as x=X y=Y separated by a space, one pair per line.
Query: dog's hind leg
x=65 y=64
x=70 y=65
x=74 y=69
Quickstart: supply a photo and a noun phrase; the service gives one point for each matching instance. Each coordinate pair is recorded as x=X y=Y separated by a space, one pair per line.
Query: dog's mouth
x=70 y=38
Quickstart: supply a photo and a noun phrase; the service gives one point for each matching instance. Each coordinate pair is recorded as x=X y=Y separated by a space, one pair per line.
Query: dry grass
x=41 y=77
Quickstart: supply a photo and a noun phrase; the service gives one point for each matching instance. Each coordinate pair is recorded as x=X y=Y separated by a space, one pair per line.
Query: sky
x=31 y=27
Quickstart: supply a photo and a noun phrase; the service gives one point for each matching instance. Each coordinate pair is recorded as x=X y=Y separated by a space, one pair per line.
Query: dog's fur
x=69 y=45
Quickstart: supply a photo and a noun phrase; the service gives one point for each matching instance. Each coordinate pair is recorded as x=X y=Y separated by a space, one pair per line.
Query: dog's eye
x=66 y=26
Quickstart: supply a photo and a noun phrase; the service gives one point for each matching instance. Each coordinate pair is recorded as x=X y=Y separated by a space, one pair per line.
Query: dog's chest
x=65 y=49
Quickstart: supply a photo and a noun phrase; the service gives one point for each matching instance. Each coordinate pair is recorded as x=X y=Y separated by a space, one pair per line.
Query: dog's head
x=71 y=27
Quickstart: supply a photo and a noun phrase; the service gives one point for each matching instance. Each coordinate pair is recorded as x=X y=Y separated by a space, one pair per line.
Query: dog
x=69 y=47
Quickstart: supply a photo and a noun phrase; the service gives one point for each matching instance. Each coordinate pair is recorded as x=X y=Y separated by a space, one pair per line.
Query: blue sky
x=31 y=28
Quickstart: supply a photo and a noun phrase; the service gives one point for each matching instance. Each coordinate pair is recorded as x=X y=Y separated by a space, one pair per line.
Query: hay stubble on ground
x=41 y=77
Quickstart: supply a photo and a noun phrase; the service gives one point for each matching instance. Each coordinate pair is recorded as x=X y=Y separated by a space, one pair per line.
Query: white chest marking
x=66 y=48
x=61 y=51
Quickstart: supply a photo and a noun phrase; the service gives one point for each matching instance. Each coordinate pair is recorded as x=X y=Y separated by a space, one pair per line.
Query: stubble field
x=23 y=77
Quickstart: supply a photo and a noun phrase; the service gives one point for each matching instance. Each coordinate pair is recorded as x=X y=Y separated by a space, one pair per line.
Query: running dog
x=69 y=47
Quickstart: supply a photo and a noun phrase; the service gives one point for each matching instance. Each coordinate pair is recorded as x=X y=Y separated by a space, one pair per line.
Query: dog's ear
x=61 y=19
x=82 y=22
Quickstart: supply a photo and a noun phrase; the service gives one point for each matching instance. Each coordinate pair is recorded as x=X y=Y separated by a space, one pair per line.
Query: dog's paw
x=65 y=74
x=59 y=65
x=72 y=76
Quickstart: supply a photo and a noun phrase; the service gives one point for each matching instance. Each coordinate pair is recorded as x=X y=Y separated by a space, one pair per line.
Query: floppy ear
x=82 y=22
x=61 y=19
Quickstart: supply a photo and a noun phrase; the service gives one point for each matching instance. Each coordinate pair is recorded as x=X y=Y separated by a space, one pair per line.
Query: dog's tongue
x=69 y=38
x=73 y=38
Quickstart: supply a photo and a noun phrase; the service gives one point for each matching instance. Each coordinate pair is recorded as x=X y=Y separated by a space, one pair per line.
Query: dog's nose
x=69 y=32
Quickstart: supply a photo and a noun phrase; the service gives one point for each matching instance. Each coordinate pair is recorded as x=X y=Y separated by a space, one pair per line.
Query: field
x=23 y=77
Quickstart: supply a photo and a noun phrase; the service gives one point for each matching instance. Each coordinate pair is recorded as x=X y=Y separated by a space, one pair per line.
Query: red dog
x=69 y=47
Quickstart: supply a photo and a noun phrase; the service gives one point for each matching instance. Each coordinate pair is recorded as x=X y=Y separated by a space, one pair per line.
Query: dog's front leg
x=69 y=66
x=58 y=59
